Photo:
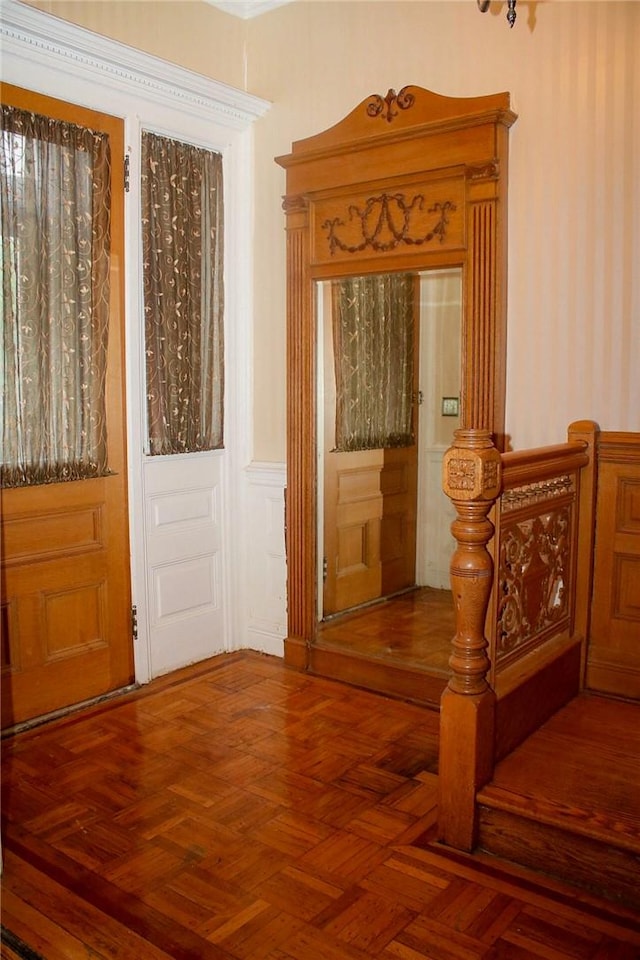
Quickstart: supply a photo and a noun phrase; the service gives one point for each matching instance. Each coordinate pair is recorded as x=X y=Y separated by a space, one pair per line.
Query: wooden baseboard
x=613 y=678
x=296 y=653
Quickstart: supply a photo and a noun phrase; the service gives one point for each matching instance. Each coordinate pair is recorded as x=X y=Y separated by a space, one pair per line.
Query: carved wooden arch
x=412 y=180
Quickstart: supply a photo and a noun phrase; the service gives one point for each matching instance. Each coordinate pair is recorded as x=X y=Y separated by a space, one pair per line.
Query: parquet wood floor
x=414 y=628
x=241 y=810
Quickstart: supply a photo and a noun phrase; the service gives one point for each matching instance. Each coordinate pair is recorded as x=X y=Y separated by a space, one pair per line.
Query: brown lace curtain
x=182 y=229
x=373 y=329
x=55 y=198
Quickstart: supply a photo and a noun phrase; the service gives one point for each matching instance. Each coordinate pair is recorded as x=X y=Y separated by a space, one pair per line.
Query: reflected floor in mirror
x=413 y=629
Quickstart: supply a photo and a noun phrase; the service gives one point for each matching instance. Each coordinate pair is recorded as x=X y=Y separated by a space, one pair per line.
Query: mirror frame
x=409 y=181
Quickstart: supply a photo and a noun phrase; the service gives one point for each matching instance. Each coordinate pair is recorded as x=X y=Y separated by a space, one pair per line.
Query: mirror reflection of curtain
x=182 y=242
x=373 y=330
x=55 y=201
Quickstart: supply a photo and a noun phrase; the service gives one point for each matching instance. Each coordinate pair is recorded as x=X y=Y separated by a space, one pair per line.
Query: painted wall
x=574 y=207
x=574 y=202
x=189 y=33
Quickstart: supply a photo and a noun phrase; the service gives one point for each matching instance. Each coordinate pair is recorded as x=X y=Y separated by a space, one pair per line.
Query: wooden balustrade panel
x=538 y=611
x=535 y=566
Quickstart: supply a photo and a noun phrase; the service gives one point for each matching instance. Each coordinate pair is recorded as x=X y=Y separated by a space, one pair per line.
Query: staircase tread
x=591 y=823
x=580 y=771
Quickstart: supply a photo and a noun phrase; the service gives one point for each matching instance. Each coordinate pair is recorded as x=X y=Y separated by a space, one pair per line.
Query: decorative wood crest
x=385 y=107
x=385 y=223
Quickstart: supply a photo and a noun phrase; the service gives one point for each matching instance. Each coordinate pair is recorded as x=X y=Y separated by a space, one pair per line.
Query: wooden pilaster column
x=301 y=541
x=471 y=479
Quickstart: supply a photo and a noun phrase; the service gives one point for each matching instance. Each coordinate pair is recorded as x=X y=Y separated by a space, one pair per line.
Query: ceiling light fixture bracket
x=483 y=6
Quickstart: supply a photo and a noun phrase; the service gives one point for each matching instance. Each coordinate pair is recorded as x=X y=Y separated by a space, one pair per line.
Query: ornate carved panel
x=534 y=573
x=409 y=221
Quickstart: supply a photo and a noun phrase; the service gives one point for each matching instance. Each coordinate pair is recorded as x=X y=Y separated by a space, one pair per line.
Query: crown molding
x=29 y=34
x=246 y=9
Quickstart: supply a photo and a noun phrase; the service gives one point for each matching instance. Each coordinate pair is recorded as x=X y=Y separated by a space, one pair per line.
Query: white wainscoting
x=262 y=623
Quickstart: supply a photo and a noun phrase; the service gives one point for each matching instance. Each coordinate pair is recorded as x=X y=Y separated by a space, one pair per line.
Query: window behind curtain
x=55 y=210
x=182 y=241
x=373 y=330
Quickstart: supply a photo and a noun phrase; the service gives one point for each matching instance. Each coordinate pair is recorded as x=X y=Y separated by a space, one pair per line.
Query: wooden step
x=399 y=647
x=406 y=681
x=567 y=801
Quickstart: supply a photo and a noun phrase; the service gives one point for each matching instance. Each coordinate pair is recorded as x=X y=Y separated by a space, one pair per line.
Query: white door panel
x=184 y=537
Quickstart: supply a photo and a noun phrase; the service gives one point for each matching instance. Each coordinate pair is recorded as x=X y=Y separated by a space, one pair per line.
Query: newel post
x=471 y=479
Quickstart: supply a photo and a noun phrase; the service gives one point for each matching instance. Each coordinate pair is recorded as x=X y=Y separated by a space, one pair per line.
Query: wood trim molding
x=410 y=181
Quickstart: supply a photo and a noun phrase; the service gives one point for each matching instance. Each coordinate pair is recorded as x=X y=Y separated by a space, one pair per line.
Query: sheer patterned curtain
x=182 y=227
x=55 y=210
x=373 y=329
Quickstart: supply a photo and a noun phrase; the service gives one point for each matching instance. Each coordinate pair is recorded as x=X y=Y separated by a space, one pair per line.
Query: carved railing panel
x=535 y=551
x=534 y=579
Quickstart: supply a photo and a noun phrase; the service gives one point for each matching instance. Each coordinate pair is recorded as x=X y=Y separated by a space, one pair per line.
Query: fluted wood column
x=471 y=479
x=301 y=536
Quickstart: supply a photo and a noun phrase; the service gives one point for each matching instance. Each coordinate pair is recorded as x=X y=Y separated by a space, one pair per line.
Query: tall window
x=182 y=230
x=55 y=211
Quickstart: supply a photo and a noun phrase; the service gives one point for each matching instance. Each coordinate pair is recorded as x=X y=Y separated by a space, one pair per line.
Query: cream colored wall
x=574 y=204
x=190 y=33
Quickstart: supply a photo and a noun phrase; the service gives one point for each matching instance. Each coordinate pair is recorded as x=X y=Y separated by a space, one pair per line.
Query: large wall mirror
x=396 y=230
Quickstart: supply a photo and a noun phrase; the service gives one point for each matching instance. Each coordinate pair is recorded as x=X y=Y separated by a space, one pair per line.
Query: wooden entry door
x=369 y=526
x=352 y=529
x=66 y=601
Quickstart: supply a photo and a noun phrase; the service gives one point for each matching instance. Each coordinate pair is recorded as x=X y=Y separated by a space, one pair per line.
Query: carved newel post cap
x=472 y=467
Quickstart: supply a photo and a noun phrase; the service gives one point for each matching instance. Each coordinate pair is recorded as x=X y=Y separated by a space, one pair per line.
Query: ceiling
x=245 y=9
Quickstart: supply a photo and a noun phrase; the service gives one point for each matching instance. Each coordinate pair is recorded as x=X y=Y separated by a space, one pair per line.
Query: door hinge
x=127 y=165
x=325 y=569
x=134 y=622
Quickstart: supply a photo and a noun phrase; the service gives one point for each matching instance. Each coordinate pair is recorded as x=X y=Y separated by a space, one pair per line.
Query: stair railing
x=520 y=578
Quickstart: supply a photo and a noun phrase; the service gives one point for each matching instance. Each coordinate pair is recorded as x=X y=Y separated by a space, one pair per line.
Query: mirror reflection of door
x=389 y=382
